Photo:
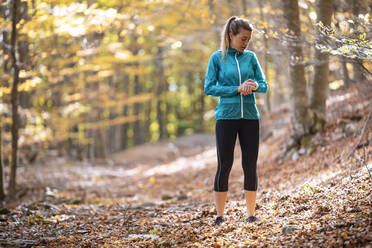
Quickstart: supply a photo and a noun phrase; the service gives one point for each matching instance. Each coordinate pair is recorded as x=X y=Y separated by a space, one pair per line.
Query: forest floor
x=161 y=195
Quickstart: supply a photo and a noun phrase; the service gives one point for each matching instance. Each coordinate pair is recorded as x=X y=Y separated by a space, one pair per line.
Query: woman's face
x=240 y=41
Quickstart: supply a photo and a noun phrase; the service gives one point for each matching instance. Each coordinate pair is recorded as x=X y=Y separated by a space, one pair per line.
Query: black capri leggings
x=226 y=132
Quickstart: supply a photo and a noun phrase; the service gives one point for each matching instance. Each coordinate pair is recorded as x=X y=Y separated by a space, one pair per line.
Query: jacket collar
x=232 y=51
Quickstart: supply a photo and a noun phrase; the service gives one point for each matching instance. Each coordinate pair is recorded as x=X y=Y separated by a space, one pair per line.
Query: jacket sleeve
x=211 y=86
x=259 y=76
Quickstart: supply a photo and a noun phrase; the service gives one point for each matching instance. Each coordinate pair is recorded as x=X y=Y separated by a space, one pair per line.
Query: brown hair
x=233 y=25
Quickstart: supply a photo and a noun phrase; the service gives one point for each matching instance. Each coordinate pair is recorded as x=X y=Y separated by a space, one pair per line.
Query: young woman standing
x=234 y=75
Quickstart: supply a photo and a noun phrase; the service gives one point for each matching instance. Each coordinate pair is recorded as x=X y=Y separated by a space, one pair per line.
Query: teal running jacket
x=223 y=79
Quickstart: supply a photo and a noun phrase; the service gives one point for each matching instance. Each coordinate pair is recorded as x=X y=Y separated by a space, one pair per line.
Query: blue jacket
x=223 y=79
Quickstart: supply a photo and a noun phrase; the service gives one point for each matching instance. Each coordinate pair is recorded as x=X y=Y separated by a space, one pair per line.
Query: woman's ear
x=230 y=35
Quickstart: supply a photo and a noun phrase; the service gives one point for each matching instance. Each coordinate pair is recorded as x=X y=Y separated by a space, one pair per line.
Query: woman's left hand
x=249 y=86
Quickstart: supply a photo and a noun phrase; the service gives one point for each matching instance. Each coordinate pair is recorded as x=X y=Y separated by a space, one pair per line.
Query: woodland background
x=113 y=88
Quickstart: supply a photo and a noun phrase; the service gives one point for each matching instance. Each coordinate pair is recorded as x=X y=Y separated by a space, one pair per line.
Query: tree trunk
x=100 y=148
x=202 y=102
x=233 y=8
x=345 y=72
x=147 y=120
x=358 y=7
x=212 y=14
x=161 y=105
x=124 y=127
x=124 y=87
x=265 y=58
x=14 y=99
x=299 y=98
x=244 y=6
x=2 y=193
x=138 y=130
x=320 y=84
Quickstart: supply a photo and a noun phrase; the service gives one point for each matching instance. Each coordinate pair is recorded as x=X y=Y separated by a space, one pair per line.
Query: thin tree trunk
x=320 y=84
x=233 y=8
x=138 y=135
x=2 y=193
x=266 y=58
x=212 y=14
x=279 y=90
x=345 y=72
x=124 y=127
x=138 y=130
x=202 y=102
x=100 y=148
x=358 y=7
x=6 y=69
x=161 y=105
x=14 y=99
x=244 y=6
x=124 y=87
x=147 y=121
x=299 y=98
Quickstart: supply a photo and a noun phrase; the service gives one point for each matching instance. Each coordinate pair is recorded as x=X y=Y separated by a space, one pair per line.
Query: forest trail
x=317 y=196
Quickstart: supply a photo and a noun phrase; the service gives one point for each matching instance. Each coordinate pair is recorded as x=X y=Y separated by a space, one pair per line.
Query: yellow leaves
x=29 y=84
x=123 y=55
x=155 y=232
x=62 y=195
x=74 y=206
x=212 y=19
x=284 y=30
x=106 y=73
x=152 y=180
x=72 y=97
x=336 y=84
x=5 y=91
x=304 y=28
x=204 y=13
x=273 y=34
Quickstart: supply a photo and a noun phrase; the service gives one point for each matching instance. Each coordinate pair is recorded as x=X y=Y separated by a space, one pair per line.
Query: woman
x=234 y=75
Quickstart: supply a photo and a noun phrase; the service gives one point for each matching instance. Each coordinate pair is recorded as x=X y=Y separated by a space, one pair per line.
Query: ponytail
x=225 y=38
x=233 y=25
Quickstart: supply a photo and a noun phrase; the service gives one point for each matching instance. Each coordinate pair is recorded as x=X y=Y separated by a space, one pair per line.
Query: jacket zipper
x=240 y=83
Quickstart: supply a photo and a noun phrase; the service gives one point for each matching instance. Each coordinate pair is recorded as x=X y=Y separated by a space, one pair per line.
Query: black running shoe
x=253 y=219
x=219 y=220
